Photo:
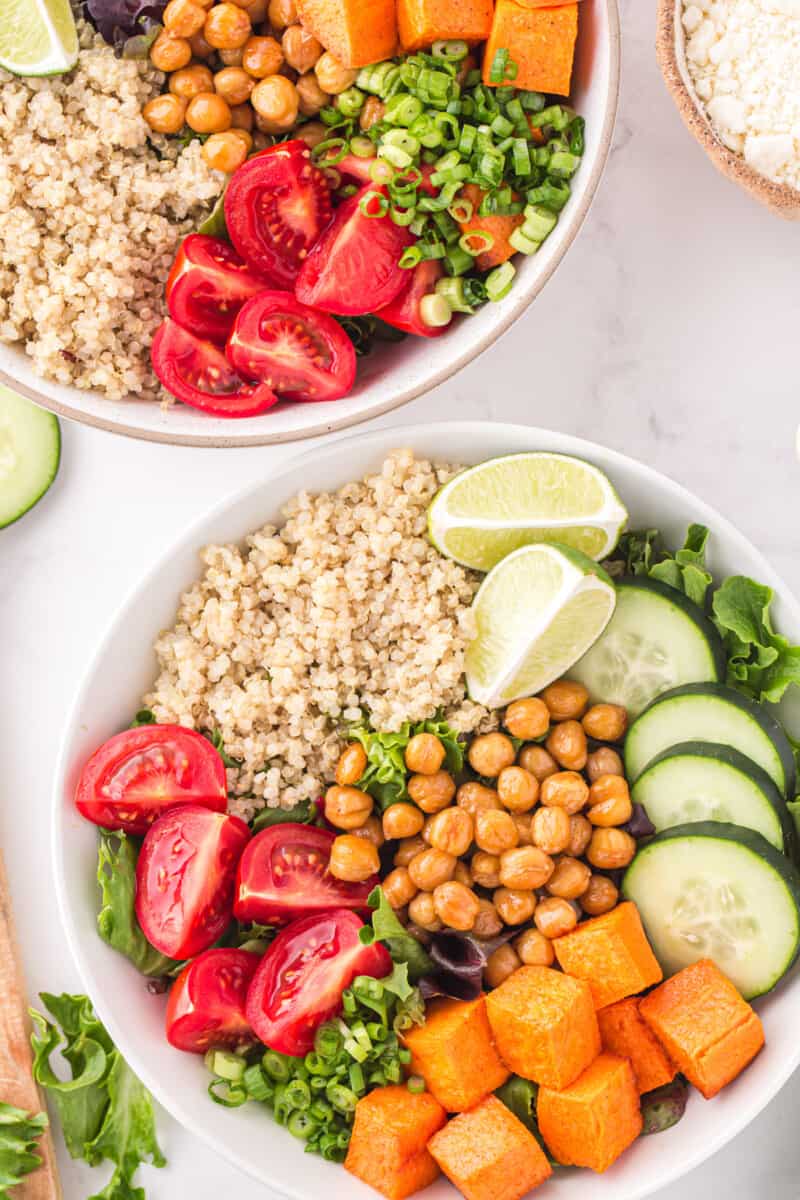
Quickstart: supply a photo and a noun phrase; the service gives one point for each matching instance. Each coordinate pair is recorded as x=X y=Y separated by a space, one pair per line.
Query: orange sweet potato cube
x=706 y=1027
x=454 y=1053
x=489 y=1154
x=423 y=22
x=612 y=954
x=388 y=1147
x=544 y=1025
x=623 y=1032
x=590 y=1123
x=357 y=32
x=540 y=41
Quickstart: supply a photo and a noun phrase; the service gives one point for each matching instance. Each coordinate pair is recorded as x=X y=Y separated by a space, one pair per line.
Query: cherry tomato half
x=138 y=774
x=198 y=373
x=283 y=874
x=276 y=206
x=185 y=878
x=207 y=286
x=353 y=268
x=300 y=980
x=296 y=351
x=206 y=1005
x=403 y=312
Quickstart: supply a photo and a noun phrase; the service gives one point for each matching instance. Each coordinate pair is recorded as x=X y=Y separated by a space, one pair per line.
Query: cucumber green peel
x=30 y=452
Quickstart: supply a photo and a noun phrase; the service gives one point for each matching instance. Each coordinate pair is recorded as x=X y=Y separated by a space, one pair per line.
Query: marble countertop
x=670 y=332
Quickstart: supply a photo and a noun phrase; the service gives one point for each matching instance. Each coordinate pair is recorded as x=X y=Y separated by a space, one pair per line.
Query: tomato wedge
x=198 y=373
x=296 y=351
x=300 y=980
x=283 y=874
x=353 y=268
x=403 y=312
x=207 y=286
x=134 y=777
x=185 y=877
x=206 y=1005
x=276 y=206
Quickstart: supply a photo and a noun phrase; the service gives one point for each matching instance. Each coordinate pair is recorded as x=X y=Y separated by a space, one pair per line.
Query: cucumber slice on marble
x=30 y=451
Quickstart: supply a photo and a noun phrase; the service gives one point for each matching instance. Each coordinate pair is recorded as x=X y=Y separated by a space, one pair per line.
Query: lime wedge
x=37 y=37
x=488 y=511
x=536 y=613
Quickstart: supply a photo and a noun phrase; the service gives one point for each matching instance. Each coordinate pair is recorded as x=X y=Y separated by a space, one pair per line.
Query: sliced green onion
x=453 y=292
x=376 y=78
x=297 y=1093
x=520 y=157
x=457 y=261
x=329 y=152
x=531 y=101
x=520 y=240
x=222 y=1093
x=341 y=1097
x=563 y=165
x=497 y=71
x=380 y=171
x=466 y=140
x=349 y=1004
x=301 y=1125
x=362 y=147
x=276 y=1065
x=256 y=1085
x=373 y=205
x=434 y=310
x=552 y=194
x=357 y=1083
x=426 y=132
x=351 y=101
x=575 y=132
x=402 y=216
x=225 y=1065
x=501 y=127
x=416 y=1084
x=539 y=222
x=397 y=157
x=449 y=128
x=461 y=209
x=410 y=258
x=555 y=116
x=499 y=281
x=404 y=1055
x=402 y=110
x=452 y=50
x=327 y=1042
x=467 y=242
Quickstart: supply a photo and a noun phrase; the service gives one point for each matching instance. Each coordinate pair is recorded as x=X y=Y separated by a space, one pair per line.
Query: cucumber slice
x=30 y=449
x=657 y=639
x=703 y=781
x=720 y=892
x=711 y=712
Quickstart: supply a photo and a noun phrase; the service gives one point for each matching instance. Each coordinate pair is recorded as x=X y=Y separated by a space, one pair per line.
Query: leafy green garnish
x=215 y=224
x=303 y=813
x=106 y=1114
x=386 y=775
x=116 y=920
x=255 y=937
x=19 y=1135
x=385 y=927
x=215 y=737
x=520 y=1095
x=644 y=553
x=144 y=716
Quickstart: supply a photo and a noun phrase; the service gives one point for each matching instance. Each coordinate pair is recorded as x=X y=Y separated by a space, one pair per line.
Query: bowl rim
x=332 y=424
x=404 y=435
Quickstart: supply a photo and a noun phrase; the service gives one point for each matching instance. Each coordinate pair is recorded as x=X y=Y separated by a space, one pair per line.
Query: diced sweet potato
x=612 y=954
x=540 y=41
x=499 y=229
x=489 y=1154
x=422 y=22
x=544 y=1025
x=624 y=1033
x=706 y=1027
x=357 y=32
x=454 y=1053
x=388 y=1147
x=590 y=1123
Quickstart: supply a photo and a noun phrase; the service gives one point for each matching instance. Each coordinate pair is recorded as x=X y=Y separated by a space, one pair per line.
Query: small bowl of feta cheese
x=733 y=69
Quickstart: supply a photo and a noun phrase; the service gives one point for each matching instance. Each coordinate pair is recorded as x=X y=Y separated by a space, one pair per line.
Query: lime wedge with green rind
x=37 y=37
x=536 y=613
x=488 y=511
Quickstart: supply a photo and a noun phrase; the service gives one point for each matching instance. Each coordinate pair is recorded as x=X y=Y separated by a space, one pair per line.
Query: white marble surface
x=670 y=332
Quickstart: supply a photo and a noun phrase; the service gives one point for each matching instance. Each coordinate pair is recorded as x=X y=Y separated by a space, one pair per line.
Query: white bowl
x=391 y=375
x=123 y=669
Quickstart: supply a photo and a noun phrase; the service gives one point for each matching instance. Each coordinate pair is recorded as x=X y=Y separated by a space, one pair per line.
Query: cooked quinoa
x=91 y=214
x=347 y=610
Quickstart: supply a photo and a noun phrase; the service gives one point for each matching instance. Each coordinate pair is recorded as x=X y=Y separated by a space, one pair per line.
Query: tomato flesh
x=206 y=1005
x=300 y=980
x=185 y=877
x=208 y=284
x=134 y=777
x=296 y=351
x=276 y=206
x=283 y=874
x=197 y=372
x=404 y=312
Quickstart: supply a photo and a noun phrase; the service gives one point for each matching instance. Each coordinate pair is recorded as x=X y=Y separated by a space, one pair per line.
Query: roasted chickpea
x=567 y=744
x=424 y=754
x=399 y=888
x=610 y=849
x=334 y=78
x=485 y=869
x=256 y=10
x=262 y=56
x=518 y=789
x=200 y=47
x=525 y=868
x=227 y=26
x=242 y=121
x=235 y=86
x=402 y=821
x=373 y=111
x=353 y=859
x=282 y=13
x=566 y=700
x=224 y=152
x=231 y=58
x=504 y=961
x=527 y=719
x=487 y=923
x=609 y=801
x=432 y=792
x=550 y=830
x=165 y=114
x=570 y=878
x=182 y=18
x=603 y=761
x=463 y=874
x=422 y=912
x=514 y=906
x=347 y=807
x=276 y=103
x=600 y=896
x=495 y=831
x=580 y=833
x=431 y=868
x=371 y=830
x=490 y=753
x=567 y=790
x=312 y=99
x=534 y=949
x=451 y=830
x=300 y=48
x=456 y=906
x=475 y=797
x=169 y=53
x=554 y=917
x=313 y=132
x=409 y=848
x=537 y=760
x=190 y=80
x=606 y=722
x=523 y=823
x=208 y=113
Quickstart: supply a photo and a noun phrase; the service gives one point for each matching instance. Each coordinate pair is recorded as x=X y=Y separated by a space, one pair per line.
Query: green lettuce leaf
x=386 y=928
x=386 y=775
x=643 y=552
x=19 y=1135
x=760 y=661
x=116 y=920
x=303 y=813
x=520 y=1095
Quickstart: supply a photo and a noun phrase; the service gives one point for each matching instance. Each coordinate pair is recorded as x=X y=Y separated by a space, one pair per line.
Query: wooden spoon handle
x=17 y=1085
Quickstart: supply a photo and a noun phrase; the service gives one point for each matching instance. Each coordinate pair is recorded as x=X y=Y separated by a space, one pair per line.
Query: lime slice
x=37 y=37
x=536 y=613
x=490 y=510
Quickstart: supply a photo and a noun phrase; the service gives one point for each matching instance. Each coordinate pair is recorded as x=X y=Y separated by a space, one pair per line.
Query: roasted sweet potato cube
x=388 y=1147
x=591 y=1122
x=357 y=32
x=489 y=1154
x=539 y=41
x=499 y=229
x=707 y=1029
x=454 y=1053
x=544 y=1025
x=612 y=954
x=423 y=22
x=623 y=1032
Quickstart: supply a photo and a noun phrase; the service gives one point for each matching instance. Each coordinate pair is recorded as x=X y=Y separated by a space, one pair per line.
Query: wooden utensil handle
x=17 y=1085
